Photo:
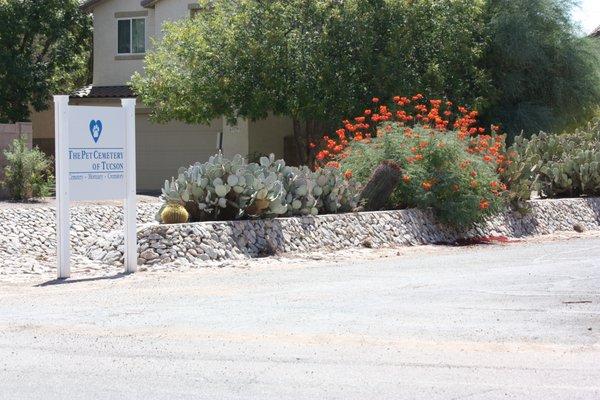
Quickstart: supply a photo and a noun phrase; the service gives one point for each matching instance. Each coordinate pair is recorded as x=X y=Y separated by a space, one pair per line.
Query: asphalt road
x=519 y=321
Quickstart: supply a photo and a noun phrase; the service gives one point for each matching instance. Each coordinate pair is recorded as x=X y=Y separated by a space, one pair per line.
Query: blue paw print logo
x=96 y=129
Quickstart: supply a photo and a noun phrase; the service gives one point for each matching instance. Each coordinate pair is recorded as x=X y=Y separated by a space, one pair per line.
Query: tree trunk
x=300 y=142
x=381 y=185
x=306 y=131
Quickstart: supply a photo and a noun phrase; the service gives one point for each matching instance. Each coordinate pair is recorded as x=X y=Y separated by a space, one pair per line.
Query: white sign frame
x=62 y=112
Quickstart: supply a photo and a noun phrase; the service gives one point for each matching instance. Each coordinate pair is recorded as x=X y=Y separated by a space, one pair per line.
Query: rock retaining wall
x=242 y=239
x=96 y=232
x=31 y=230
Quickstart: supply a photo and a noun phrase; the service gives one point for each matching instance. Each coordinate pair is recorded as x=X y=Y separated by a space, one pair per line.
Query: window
x=131 y=36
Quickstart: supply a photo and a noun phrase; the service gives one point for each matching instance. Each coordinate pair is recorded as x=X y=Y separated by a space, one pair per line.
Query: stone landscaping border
x=231 y=240
x=28 y=235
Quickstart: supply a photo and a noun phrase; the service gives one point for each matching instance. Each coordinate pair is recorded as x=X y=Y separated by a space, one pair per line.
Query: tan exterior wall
x=43 y=123
x=235 y=138
x=161 y=149
x=108 y=69
x=170 y=10
x=266 y=136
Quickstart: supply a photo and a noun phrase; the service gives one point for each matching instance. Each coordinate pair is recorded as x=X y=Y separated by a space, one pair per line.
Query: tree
x=315 y=61
x=44 y=49
x=318 y=61
x=544 y=76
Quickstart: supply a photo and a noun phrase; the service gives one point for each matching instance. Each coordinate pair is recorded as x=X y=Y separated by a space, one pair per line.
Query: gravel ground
x=51 y=202
x=517 y=321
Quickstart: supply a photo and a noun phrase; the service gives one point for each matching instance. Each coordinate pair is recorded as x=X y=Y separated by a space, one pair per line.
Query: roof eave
x=88 y=5
x=149 y=3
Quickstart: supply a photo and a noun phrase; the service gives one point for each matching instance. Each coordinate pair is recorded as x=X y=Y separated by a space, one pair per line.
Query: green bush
x=224 y=189
x=440 y=171
x=566 y=165
x=27 y=174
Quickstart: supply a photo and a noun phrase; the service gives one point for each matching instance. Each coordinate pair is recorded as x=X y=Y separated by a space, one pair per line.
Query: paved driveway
x=519 y=321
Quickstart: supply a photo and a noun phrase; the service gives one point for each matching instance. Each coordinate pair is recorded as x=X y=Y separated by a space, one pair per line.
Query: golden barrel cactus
x=174 y=213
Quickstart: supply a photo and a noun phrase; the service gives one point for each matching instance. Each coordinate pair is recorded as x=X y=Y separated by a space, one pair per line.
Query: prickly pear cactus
x=230 y=189
x=334 y=192
x=556 y=165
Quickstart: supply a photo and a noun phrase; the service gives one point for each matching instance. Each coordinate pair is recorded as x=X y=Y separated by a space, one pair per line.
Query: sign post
x=129 y=213
x=95 y=160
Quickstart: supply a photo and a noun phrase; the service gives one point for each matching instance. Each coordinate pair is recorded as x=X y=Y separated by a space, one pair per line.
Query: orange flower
x=484 y=204
x=312 y=145
x=455 y=188
x=375 y=99
x=405 y=178
x=333 y=164
x=348 y=174
x=473 y=184
x=322 y=155
x=427 y=185
x=419 y=157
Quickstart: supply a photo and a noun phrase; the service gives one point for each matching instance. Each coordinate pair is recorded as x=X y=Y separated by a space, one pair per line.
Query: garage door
x=162 y=148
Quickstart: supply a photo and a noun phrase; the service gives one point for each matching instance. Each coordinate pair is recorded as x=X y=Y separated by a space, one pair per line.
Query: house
x=123 y=32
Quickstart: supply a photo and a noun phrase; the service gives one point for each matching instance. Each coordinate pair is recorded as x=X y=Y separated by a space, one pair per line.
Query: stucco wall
x=108 y=70
x=235 y=138
x=170 y=10
x=266 y=135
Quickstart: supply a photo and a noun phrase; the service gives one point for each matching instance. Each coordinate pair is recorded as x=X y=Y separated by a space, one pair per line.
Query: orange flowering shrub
x=450 y=164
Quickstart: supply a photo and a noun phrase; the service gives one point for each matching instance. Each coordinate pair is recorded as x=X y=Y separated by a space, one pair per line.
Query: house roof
x=88 y=5
x=596 y=33
x=103 y=92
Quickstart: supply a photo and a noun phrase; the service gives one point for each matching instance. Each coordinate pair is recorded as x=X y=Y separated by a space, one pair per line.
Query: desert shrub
x=565 y=165
x=438 y=172
x=223 y=189
x=27 y=174
x=449 y=164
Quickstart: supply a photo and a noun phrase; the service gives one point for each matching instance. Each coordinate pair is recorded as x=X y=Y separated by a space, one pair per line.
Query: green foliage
x=314 y=61
x=518 y=61
x=27 y=174
x=564 y=165
x=439 y=172
x=223 y=189
x=45 y=49
x=544 y=76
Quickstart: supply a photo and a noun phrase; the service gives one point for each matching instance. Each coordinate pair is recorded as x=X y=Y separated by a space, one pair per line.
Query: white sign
x=95 y=160
x=96 y=153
